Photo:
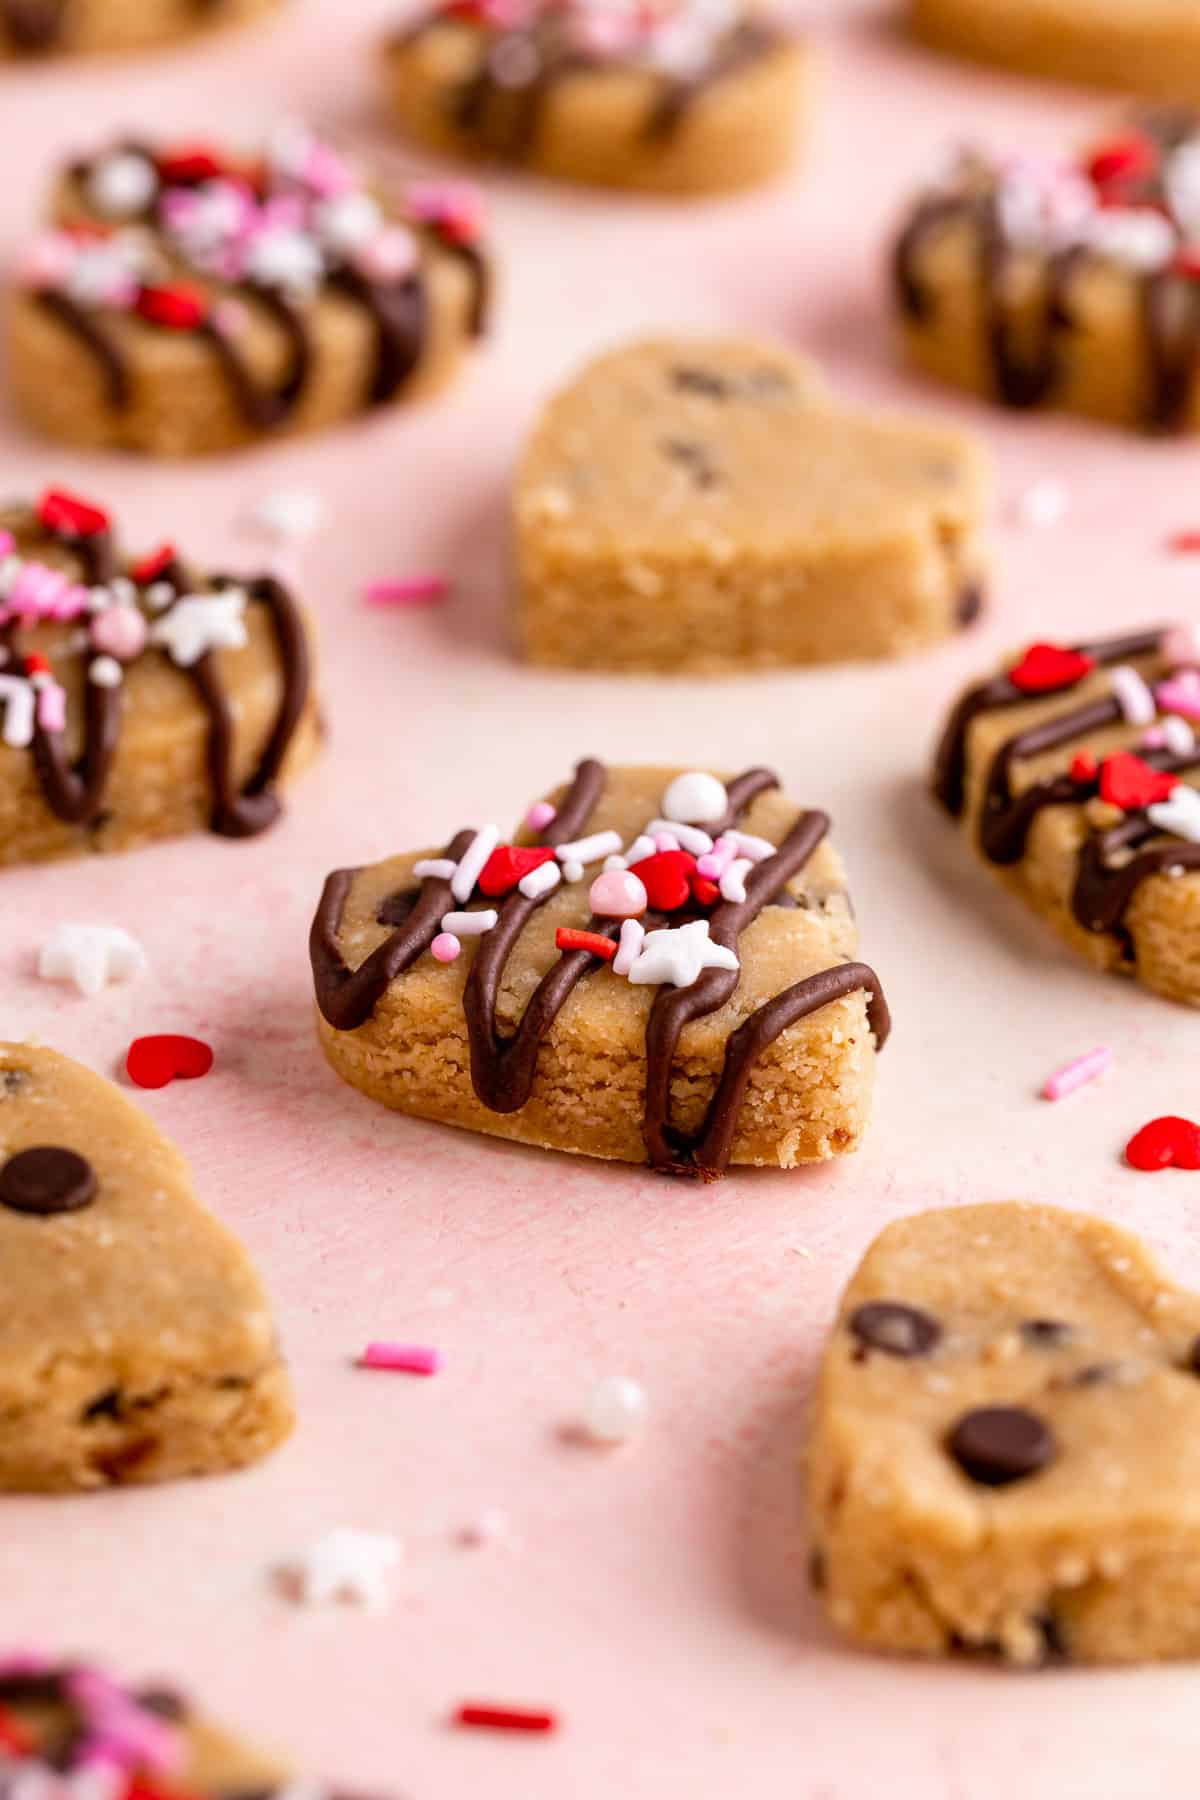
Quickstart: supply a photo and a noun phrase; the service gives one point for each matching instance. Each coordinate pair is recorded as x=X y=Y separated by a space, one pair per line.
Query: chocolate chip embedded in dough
x=700 y=381
x=996 y=1445
x=395 y=908
x=1046 y=1334
x=13 y=1081
x=894 y=1328
x=47 y=1179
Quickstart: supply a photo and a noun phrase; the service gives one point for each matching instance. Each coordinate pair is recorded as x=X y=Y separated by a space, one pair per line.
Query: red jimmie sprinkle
x=1084 y=766
x=592 y=941
x=1167 y=1143
x=1126 y=157
x=505 y=1718
x=1184 y=543
x=189 y=163
x=67 y=513
x=154 y=1062
x=148 y=568
x=37 y=664
x=178 y=308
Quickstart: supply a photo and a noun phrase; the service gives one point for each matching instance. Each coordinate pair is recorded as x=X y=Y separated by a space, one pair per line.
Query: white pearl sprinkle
x=105 y=672
x=695 y=798
x=616 y=1411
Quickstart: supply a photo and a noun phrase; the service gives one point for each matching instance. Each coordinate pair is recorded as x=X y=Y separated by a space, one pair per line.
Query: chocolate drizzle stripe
x=37 y=25
x=504 y=1068
x=84 y=325
x=400 y=314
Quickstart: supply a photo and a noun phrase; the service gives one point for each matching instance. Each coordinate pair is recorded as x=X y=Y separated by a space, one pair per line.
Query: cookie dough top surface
x=89 y=638
x=671 y=446
x=999 y=1365
x=98 y=1222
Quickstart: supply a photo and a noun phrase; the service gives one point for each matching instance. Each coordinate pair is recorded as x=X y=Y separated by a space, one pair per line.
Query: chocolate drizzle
x=503 y=1068
x=1112 y=864
x=75 y=792
x=36 y=26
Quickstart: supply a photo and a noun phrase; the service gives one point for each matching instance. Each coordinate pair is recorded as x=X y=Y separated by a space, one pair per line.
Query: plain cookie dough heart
x=1083 y=798
x=680 y=97
x=1149 y=47
x=1005 y=1454
x=188 y=299
x=45 y=27
x=136 y=1342
x=702 y=505
x=734 y=1028
x=139 y=699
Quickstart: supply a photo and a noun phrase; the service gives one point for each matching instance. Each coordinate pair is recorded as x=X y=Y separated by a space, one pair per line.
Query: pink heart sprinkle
x=1181 y=694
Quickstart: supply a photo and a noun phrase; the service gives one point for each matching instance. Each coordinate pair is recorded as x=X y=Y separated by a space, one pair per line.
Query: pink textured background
x=655 y=1596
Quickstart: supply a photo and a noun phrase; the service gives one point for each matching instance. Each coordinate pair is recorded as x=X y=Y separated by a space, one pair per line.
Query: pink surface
x=654 y=1595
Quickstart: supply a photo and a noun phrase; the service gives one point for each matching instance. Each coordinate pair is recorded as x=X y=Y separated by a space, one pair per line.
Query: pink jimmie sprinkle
x=1077 y=1074
x=419 y=590
x=540 y=814
x=409 y=1359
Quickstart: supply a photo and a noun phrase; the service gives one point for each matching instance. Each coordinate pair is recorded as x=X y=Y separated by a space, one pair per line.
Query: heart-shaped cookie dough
x=190 y=299
x=702 y=505
x=135 y=1339
x=139 y=700
x=733 y=1027
x=1006 y=1443
x=1083 y=798
x=77 y=27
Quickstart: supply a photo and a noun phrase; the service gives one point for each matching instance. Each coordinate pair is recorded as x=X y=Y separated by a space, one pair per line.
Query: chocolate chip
x=970 y=604
x=47 y=1180
x=818 y=1573
x=1095 y=1375
x=1193 y=1361
x=395 y=909
x=700 y=381
x=895 y=1329
x=1054 y=1644
x=1045 y=1334
x=694 y=457
x=12 y=1081
x=167 y=1703
x=105 y=1406
x=996 y=1445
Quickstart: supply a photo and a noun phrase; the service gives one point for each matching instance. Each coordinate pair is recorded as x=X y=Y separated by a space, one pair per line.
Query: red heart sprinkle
x=1167 y=1143
x=1046 y=667
x=177 y=308
x=704 y=891
x=67 y=513
x=1184 y=543
x=1187 y=262
x=37 y=664
x=507 y=865
x=154 y=1062
x=149 y=568
x=666 y=877
x=1126 y=157
x=1128 y=782
x=1083 y=766
x=189 y=163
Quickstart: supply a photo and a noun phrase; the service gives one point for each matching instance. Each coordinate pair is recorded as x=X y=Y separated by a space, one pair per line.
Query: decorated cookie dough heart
x=702 y=505
x=139 y=701
x=681 y=96
x=585 y=1012
x=1083 y=798
x=31 y=28
x=1006 y=1442
x=62 y=1720
x=157 y=1357
x=187 y=299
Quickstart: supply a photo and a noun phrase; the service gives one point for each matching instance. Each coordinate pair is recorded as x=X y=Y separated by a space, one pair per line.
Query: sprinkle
x=445 y=948
x=633 y=936
x=591 y=941
x=504 y=1718
x=590 y=849
x=540 y=814
x=290 y=513
x=462 y=884
x=1179 y=813
x=616 y=1410
x=665 y=840
x=733 y=881
x=1133 y=696
x=1181 y=645
x=90 y=957
x=470 y=924
x=1178 y=736
x=1164 y=1143
x=18 y=700
x=491 y=1527
x=179 y=307
x=1084 y=766
x=419 y=590
x=407 y=1359
x=679 y=955
x=199 y=623
x=572 y=870
x=155 y=1062
x=508 y=863
x=687 y=837
x=540 y=881
x=618 y=895
x=434 y=868
x=350 y=1565
x=51 y=705
x=641 y=847
x=123 y=184
x=714 y=864
x=1040 y=506
x=695 y=798
x=119 y=632
x=1184 y=543
x=1078 y=1073
x=149 y=567
x=1181 y=694
x=68 y=515
x=756 y=848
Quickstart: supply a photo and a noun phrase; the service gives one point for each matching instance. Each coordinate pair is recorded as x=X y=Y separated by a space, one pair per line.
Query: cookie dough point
x=136 y=1343
x=1012 y=1490
x=808 y=1089
x=37 y=28
x=1120 y=889
x=702 y=506
x=614 y=122
x=1150 y=47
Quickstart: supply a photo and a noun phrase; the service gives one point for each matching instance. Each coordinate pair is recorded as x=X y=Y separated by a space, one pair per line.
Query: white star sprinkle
x=198 y=623
x=678 y=955
x=350 y=1565
x=1180 y=814
x=290 y=513
x=90 y=957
